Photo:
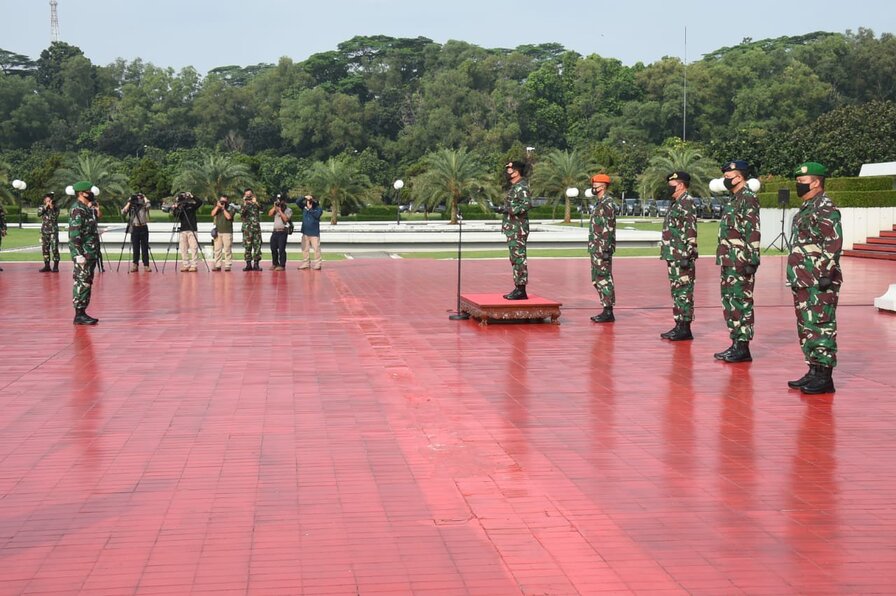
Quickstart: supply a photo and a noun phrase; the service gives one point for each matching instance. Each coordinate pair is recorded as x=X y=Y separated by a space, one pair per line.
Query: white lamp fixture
x=588 y=193
x=19 y=184
x=95 y=191
x=398 y=184
x=716 y=185
x=572 y=192
x=70 y=190
x=754 y=184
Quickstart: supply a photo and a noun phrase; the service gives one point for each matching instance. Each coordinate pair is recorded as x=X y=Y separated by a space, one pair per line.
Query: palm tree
x=450 y=175
x=559 y=170
x=6 y=196
x=212 y=176
x=101 y=170
x=339 y=183
x=681 y=158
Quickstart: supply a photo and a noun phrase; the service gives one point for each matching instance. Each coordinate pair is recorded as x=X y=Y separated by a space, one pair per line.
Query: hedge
x=869 y=183
x=843 y=198
x=472 y=212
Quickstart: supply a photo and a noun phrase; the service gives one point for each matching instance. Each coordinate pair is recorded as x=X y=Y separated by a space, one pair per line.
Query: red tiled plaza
x=333 y=432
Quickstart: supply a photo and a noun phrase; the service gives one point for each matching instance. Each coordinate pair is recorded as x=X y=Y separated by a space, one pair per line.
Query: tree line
x=386 y=106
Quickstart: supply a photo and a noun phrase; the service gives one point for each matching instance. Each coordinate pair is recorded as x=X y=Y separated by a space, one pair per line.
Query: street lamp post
x=20 y=186
x=398 y=185
x=571 y=193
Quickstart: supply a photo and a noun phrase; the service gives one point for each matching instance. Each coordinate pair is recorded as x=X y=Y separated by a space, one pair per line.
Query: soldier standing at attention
x=49 y=233
x=251 y=216
x=814 y=276
x=515 y=226
x=602 y=245
x=679 y=250
x=738 y=254
x=84 y=245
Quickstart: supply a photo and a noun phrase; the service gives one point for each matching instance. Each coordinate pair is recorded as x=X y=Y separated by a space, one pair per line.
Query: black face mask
x=802 y=189
x=729 y=183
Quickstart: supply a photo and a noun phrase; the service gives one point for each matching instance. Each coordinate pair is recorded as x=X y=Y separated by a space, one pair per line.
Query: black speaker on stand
x=458 y=315
x=783 y=203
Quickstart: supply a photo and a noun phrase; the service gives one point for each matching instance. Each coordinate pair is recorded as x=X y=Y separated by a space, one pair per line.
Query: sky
x=206 y=33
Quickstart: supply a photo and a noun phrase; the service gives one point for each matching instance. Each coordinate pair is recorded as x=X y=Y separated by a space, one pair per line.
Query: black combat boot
x=683 y=333
x=606 y=316
x=257 y=266
x=803 y=380
x=740 y=353
x=724 y=353
x=672 y=331
x=55 y=267
x=46 y=268
x=821 y=382
x=519 y=293
x=82 y=318
x=248 y=266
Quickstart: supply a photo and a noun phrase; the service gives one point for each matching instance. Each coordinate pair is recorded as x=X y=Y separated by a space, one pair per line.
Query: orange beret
x=600 y=178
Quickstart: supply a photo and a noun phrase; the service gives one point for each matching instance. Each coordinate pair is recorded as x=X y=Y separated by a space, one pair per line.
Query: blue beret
x=737 y=164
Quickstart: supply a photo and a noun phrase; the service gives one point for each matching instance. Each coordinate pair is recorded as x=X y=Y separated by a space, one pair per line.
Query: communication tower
x=54 y=21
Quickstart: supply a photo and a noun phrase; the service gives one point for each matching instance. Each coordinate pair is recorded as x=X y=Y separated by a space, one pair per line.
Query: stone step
x=866 y=254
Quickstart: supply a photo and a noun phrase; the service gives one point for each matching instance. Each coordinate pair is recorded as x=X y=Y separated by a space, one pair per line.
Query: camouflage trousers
x=816 y=324
x=602 y=279
x=737 y=302
x=681 y=281
x=83 y=276
x=516 y=243
x=49 y=244
x=252 y=243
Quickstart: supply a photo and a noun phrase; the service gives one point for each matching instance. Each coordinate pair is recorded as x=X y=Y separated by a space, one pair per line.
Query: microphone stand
x=458 y=315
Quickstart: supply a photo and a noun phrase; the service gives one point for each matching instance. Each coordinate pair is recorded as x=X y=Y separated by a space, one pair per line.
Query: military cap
x=519 y=166
x=82 y=186
x=598 y=178
x=737 y=164
x=811 y=168
x=683 y=176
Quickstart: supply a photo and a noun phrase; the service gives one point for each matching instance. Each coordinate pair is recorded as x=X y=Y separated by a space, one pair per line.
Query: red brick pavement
x=333 y=432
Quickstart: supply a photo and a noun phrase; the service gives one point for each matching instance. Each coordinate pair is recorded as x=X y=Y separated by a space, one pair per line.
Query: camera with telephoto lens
x=281 y=200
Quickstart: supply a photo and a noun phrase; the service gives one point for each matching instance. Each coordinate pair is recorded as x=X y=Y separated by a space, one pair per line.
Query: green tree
x=212 y=176
x=6 y=196
x=338 y=184
x=449 y=176
x=103 y=171
x=679 y=156
x=559 y=170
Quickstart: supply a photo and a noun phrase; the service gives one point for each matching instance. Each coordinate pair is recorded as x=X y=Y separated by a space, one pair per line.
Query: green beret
x=811 y=168
x=82 y=186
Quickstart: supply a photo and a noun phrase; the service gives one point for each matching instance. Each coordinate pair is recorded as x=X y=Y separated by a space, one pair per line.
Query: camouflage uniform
x=816 y=243
x=679 y=242
x=83 y=240
x=601 y=246
x=738 y=247
x=2 y=227
x=515 y=226
x=250 y=214
x=49 y=232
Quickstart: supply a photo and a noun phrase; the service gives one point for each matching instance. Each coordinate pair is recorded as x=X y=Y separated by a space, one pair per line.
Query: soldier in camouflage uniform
x=84 y=245
x=679 y=249
x=515 y=226
x=738 y=254
x=602 y=245
x=49 y=233
x=814 y=276
x=2 y=226
x=251 y=216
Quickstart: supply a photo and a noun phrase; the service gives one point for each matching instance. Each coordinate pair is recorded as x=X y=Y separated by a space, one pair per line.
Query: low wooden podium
x=485 y=307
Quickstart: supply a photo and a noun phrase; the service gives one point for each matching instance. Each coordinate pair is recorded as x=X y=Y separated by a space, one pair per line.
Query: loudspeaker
x=783 y=197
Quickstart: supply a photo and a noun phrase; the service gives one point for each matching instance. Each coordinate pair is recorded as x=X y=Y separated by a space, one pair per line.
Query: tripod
x=128 y=230
x=176 y=229
x=783 y=201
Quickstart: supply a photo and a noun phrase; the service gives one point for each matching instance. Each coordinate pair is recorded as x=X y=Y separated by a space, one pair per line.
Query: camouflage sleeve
x=751 y=234
x=690 y=224
x=76 y=232
x=2 y=219
x=519 y=200
x=610 y=230
x=831 y=236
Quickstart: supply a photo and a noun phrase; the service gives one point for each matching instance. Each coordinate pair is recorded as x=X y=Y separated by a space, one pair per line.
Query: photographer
x=311 y=212
x=223 y=215
x=250 y=214
x=49 y=232
x=282 y=214
x=184 y=209
x=137 y=211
